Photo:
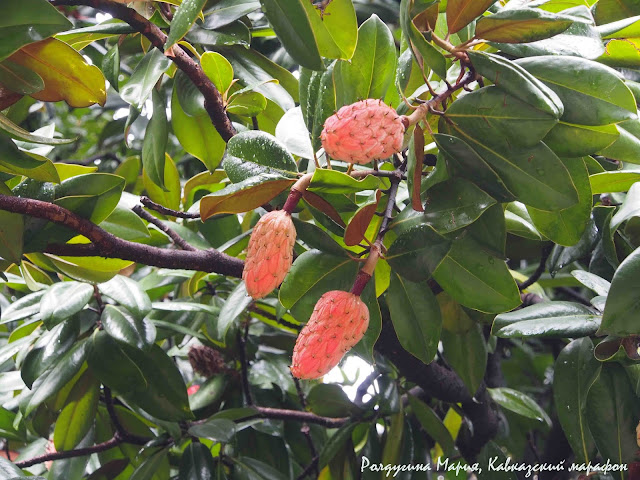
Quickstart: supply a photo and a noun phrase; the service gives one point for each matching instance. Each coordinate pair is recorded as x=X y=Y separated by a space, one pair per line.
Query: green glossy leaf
x=17 y=162
x=330 y=400
x=549 y=319
x=256 y=71
x=476 y=279
x=626 y=146
x=217 y=429
x=622 y=301
x=536 y=176
x=466 y=353
x=57 y=377
x=197 y=462
x=243 y=196
x=612 y=413
x=615 y=181
x=92 y=195
x=570 y=140
x=63 y=300
x=124 y=327
x=498 y=119
x=575 y=371
x=218 y=69
x=593 y=282
x=372 y=68
x=111 y=66
x=317 y=100
x=432 y=424
x=292 y=25
x=600 y=99
x=335 y=444
x=227 y=11
x=519 y=403
x=518 y=222
x=11 y=236
x=136 y=91
x=608 y=11
x=253 y=469
x=27 y=22
x=127 y=292
x=313 y=274
x=566 y=226
x=196 y=134
x=454 y=204
x=254 y=152
x=20 y=79
x=517 y=25
x=77 y=416
x=515 y=80
x=49 y=347
x=462 y=12
x=621 y=53
x=113 y=366
x=236 y=33
x=317 y=238
x=416 y=317
x=149 y=467
x=21 y=134
x=463 y=161
x=165 y=395
x=125 y=224
x=9 y=471
x=183 y=18
x=424 y=53
x=416 y=253
x=170 y=196
x=155 y=141
x=235 y=305
x=333 y=181
x=247 y=104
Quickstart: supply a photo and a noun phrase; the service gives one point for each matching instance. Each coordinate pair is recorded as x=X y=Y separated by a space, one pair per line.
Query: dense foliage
x=141 y=142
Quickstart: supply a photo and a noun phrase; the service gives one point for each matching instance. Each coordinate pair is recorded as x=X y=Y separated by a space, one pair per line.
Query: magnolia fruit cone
x=363 y=131
x=270 y=253
x=339 y=320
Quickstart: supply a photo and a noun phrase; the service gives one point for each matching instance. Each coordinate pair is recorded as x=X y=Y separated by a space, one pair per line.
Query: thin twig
x=284 y=414
x=151 y=205
x=535 y=276
x=305 y=426
x=242 y=353
x=364 y=386
x=307 y=471
x=175 y=238
x=122 y=432
x=78 y=452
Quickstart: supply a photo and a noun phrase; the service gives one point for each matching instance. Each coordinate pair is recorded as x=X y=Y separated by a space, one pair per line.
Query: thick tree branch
x=444 y=384
x=104 y=244
x=212 y=99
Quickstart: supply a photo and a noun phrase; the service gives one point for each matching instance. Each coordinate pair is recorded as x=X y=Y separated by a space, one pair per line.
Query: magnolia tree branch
x=213 y=103
x=77 y=452
x=104 y=244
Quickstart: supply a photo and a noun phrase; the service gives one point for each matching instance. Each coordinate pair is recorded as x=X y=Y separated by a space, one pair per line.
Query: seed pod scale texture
x=270 y=253
x=339 y=321
x=363 y=131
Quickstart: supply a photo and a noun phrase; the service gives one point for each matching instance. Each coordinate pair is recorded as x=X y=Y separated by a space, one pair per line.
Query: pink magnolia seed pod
x=339 y=320
x=363 y=131
x=270 y=253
